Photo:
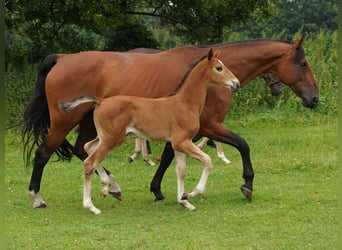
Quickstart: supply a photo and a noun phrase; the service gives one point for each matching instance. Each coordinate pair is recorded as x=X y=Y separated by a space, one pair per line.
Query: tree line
x=34 y=29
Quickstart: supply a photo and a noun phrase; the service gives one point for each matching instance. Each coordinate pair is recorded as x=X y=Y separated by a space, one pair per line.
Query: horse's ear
x=217 y=53
x=299 y=42
x=210 y=54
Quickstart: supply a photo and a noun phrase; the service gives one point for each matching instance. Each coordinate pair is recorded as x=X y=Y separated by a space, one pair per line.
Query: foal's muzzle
x=234 y=85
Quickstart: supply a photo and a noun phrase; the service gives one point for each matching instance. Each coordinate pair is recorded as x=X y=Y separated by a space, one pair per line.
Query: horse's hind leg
x=87 y=132
x=144 y=152
x=51 y=142
x=203 y=142
x=137 y=150
x=220 y=153
x=113 y=189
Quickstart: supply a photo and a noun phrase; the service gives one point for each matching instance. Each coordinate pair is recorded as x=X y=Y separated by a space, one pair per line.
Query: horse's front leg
x=193 y=151
x=180 y=171
x=218 y=132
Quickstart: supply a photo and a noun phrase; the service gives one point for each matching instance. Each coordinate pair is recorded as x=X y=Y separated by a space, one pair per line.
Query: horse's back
x=112 y=73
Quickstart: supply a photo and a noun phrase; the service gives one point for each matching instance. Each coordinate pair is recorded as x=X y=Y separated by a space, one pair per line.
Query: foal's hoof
x=116 y=195
x=130 y=159
x=184 y=196
x=246 y=192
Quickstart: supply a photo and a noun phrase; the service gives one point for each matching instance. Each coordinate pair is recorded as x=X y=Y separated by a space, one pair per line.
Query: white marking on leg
x=37 y=199
x=180 y=171
x=146 y=157
x=203 y=142
x=220 y=153
x=207 y=166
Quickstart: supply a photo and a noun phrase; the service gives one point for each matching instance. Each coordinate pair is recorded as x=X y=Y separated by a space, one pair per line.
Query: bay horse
x=141 y=146
x=175 y=118
x=104 y=74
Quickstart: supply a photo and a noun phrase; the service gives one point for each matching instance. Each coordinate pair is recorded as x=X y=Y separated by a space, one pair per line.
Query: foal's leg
x=220 y=153
x=180 y=171
x=137 y=150
x=87 y=132
x=189 y=148
x=114 y=188
x=202 y=143
x=92 y=162
x=144 y=151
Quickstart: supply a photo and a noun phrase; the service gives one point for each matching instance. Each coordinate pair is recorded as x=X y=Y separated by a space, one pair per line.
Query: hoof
x=130 y=159
x=43 y=205
x=116 y=195
x=246 y=192
x=158 y=195
x=184 y=196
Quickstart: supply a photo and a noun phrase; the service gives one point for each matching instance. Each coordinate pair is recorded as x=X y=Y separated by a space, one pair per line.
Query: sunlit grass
x=294 y=202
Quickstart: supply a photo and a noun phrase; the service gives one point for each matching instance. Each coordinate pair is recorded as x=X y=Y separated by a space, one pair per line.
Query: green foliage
x=287 y=17
x=129 y=36
x=19 y=84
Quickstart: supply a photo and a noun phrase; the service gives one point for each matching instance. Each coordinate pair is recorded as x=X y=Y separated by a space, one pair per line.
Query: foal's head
x=217 y=73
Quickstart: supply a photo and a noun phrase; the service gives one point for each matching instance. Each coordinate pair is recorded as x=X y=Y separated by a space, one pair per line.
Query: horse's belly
x=156 y=135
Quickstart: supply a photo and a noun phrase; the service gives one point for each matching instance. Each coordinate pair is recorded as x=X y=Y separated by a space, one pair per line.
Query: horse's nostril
x=237 y=83
x=315 y=99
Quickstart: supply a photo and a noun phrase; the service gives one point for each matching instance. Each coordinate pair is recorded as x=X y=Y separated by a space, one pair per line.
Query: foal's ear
x=210 y=54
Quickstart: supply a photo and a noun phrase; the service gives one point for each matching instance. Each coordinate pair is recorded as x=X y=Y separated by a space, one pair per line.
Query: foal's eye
x=219 y=68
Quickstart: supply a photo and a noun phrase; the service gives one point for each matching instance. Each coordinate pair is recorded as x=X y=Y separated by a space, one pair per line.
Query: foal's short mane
x=181 y=83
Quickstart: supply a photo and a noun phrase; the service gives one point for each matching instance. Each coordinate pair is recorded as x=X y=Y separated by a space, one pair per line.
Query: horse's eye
x=303 y=65
x=219 y=68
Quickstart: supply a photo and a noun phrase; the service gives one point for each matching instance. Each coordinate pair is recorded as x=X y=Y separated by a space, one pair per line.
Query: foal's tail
x=36 y=117
x=70 y=105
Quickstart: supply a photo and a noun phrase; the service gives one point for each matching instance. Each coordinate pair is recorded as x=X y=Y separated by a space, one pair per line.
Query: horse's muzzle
x=310 y=103
x=234 y=85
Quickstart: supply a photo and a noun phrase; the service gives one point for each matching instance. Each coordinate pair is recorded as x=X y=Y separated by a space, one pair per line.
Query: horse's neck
x=247 y=60
x=194 y=89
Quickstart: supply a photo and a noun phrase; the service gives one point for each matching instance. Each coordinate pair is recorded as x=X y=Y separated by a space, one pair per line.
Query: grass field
x=294 y=203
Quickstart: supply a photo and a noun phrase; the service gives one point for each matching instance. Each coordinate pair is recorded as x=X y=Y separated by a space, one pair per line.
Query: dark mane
x=181 y=83
x=242 y=41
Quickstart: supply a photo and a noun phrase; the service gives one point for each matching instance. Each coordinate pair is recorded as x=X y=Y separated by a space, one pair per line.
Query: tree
x=49 y=26
x=291 y=16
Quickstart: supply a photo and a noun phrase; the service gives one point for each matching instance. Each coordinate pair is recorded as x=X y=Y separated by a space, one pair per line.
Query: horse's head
x=294 y=70
x=273 y=83
x=219 y=74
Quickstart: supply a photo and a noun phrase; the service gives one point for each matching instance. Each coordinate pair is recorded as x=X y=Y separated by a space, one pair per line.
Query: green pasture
x=294 y=204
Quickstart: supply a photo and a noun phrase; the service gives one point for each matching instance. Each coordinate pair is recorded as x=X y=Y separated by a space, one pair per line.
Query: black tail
x=36 y=117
